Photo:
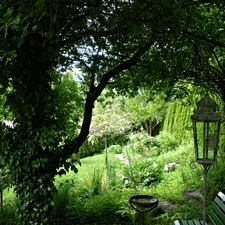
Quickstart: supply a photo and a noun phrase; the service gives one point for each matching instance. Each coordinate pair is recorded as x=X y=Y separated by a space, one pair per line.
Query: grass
x=87 y=197
x=170 y=188
x=8 y=213
x=8 y=194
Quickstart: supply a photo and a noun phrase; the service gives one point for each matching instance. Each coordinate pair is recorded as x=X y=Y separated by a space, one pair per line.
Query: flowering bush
x=141 y=173
x=171 y=167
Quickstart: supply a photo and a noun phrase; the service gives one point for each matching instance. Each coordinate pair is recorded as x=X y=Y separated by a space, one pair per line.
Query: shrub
x=113 y=171
x=97 y=209
x=137 y=142
x=91 y=148
x=184 y=154
x=61 y=200
x=117 y=149
x=171 y=167
x=150 y=142
x=216 y=178
x=141 y=173
x=142 y=143
x=167 y=141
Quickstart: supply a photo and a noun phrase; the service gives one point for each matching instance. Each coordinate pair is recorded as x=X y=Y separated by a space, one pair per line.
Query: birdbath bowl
x=143 y=204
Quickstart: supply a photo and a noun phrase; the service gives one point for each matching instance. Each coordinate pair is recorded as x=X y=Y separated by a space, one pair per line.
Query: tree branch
x=94 y=93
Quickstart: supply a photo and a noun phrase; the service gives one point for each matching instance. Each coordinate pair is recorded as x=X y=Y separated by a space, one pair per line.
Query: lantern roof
x=206 y=104
x=206 y=111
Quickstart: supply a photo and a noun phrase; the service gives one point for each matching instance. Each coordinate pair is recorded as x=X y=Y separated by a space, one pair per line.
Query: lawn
x=98 y=196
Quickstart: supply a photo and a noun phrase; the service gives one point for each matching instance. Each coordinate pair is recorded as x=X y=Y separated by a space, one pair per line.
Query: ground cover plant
x=93 y=196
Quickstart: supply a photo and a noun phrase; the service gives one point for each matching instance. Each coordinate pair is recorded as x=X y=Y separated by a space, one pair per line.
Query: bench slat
x=197 y=222
x=184 y=222
x=176 y=222
x=220 y=203
x=191 y=222
x=222 y=196
x=216 y=215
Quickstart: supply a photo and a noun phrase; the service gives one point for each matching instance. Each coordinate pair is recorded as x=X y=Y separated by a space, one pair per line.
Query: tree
x=118 y=43
x=109 y=119
x=109 y=116
x=190 y=52
x=147 y=109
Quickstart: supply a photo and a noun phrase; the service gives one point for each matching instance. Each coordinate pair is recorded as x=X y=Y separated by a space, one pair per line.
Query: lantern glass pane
x=206 y=140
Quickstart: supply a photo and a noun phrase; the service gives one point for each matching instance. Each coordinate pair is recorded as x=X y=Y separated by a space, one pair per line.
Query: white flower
x=154 y=165
x=173 y=164
x=166 y=168
x=126 y=182
x=9 y=123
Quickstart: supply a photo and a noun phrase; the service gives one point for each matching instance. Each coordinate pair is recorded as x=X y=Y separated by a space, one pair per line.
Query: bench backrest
x=217 y=210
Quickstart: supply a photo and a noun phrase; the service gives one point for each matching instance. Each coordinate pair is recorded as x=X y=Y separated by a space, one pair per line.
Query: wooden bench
x=216 y=214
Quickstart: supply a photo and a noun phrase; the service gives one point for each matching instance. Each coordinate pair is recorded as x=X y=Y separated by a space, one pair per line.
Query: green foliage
x=149 y=146
x=117 y=149
x=83 y=201
x=61 y=200
x=100 y=209
x=146 y=109
x=5 y=178
x=141 y=173
x=84 y=197
x=38 y=134
x=90 y=148
x=114 y=173
x=106 y=116
x=151 y=142
x=167 y=141
x=95 y=145
x=38 y=38
x=139 y=142
x=177 y=121
x=216 y=179
x=183 y=155
x=8 y=215
x=94 y=185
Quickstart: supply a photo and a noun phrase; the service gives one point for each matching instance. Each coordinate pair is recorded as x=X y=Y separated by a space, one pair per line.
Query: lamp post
x=206 y=128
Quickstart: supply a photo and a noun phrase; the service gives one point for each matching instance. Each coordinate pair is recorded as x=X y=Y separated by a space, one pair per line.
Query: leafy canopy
x=118 y=44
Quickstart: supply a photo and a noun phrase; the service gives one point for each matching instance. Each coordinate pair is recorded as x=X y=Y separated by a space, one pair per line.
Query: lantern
x=206 y=128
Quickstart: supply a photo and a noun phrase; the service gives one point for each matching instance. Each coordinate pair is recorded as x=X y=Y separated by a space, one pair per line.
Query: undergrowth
x=93 y=196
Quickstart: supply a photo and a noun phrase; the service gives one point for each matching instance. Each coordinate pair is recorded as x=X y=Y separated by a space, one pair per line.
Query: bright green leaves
x=16 y=20
x=9 y=22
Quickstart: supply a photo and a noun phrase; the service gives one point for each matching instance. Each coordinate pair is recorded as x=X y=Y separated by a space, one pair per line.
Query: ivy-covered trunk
x=28 y=152
x=32 y=145
x=35 y=194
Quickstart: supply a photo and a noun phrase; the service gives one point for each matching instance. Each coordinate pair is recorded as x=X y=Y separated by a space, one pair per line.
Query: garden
x=99 y=193
x=95 y=105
